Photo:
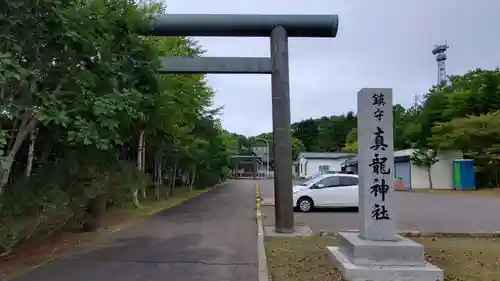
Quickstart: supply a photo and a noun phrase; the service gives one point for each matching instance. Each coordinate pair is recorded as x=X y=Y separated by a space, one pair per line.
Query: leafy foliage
x=85 y=115
x=425 y=158
x=459 y=115
x=338 y=133
x=351 y=142
x=478 y=136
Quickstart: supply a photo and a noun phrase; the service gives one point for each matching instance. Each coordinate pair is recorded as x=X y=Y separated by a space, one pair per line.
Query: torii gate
x=278 y=28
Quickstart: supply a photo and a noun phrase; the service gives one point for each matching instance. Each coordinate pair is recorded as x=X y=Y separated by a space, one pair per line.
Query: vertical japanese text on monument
x=379 y=187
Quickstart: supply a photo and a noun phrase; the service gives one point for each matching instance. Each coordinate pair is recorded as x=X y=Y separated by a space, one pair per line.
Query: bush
x=58 y=195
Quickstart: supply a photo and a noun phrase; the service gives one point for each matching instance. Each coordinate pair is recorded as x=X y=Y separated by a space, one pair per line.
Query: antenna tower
x=440 y=52
x=416 y=100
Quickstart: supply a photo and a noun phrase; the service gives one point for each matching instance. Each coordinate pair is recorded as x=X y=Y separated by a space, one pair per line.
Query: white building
x=310 y=163
x=415 y=177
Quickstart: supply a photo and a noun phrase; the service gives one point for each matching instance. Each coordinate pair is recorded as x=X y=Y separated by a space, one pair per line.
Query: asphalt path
x=415 y=212
x=212 y=237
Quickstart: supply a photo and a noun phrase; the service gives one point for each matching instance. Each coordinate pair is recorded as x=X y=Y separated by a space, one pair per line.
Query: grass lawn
x=485 y=192
x=306 y=259
x=39 y=252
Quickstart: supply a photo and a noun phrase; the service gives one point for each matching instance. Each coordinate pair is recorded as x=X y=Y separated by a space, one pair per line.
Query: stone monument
x=377 y=252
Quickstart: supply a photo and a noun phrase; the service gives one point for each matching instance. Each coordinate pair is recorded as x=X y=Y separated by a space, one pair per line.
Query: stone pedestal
x=366 y=260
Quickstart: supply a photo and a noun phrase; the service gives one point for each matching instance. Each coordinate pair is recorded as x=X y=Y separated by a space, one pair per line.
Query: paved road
x=417 y=211
x=210 y=238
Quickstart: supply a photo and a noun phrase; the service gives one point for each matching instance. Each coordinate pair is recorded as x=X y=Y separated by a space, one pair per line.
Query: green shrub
x=56 y=196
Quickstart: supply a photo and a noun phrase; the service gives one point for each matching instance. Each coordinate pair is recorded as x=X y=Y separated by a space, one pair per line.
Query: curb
x=494 y=234
x=416 y=234
x=261 y=250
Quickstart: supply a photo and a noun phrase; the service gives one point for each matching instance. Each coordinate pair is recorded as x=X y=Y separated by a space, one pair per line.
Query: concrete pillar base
x=365 y=260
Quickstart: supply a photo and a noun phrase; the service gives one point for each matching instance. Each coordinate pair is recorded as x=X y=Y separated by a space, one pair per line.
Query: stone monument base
x=365 y=260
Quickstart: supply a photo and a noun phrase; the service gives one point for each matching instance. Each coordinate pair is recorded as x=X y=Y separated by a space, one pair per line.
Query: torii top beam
x=232 y=25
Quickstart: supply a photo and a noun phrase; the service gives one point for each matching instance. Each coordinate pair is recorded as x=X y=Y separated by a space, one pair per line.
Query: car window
x=311 y=180
x=330 y=181
x=346 y=181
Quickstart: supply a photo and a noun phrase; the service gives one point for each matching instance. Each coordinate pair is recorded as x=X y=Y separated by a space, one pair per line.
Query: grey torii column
x=278 y=28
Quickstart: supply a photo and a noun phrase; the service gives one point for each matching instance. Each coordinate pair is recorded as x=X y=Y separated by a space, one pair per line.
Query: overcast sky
x=384 y=43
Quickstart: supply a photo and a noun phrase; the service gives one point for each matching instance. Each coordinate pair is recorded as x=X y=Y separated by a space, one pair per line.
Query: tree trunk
x=135 y=198
x=44 y=158
x=429 y=175
x=140 y=151
x=157 y=175
x=165 y=175
x=160 y=175
x=497 y=178
x=28 y=123
x=143 y=154
x=31 y=153
x=193 y=176
x=174 y=177
x=96 y=207
x=184 y=177
x=140 y=165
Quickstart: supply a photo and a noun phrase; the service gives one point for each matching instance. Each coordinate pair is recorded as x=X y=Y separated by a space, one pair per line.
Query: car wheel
x=305 y=204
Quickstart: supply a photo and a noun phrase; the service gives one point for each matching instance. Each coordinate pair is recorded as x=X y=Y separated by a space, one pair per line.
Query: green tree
x=297 y=147
x=425 y=158
x=473 y=93
x=101 y=119
x=477 y=136
x=351 y=144
x=307 y=132
x=402 y=119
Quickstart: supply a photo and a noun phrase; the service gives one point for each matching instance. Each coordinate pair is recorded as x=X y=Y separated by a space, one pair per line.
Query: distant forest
x=462 y=113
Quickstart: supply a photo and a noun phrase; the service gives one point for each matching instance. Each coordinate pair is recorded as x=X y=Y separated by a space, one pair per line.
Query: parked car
x=320 y=174
x=313 y=176
x=333 y=172
x=326 y=190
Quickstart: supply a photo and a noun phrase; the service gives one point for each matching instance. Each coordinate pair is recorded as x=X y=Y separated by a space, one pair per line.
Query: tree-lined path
x=89 y=124
x=211 y=237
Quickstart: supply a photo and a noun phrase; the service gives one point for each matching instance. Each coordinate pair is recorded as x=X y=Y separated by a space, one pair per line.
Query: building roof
x=244 y=158
x=405 y=155
x=326 y=155
x=404 y=152
x=399 y=155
